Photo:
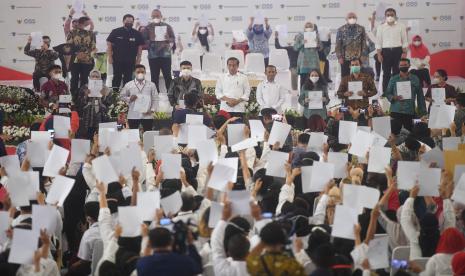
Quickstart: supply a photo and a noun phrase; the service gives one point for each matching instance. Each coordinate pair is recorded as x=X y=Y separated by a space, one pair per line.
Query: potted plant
x=295 y=119
x=161 y=120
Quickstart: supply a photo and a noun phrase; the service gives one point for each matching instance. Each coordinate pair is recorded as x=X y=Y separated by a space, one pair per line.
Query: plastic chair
x=284 y=78
x=280 y=59
x=399 y=253
x=421 y=262
x=234 y=53
x=97 y=254
x=211 y=65
x=255 y=64
x=193 y=56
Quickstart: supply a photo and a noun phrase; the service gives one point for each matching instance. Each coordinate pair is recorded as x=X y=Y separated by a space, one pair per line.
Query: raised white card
x=131 y=157
x=310 y=40
x=275 y=165
x=61 y=186
x=44 y=217
x=16 y=188
x=404 y=89
x=23 y=246
x=95 y=87
x=163 y=144
x=306 y=173
x=429 y=180
x=339 y=159
x=147 y=204
x=345 y=218
x=194 y=119
x=355 y=87
x=232 y=162
x=4 y=225
x=347 y=130
x=459 y=190
x=361 y=143
x=36 y=40
x=133 y=135
x=220 y=177
x=80 y=148
x=244 y=144
x=407 y=174
x=62 y=126
x=172 y=203
x=380 y=158
x=56 y=160
x=196 y=134
x=171 y=165
x=235 y=133
x=317 y=141
x=441 y=116
x=323 y=173
x=207 y=151
x=315 y=99
x=160 y=33
x=130 y=221
x=279 y=133
x=451 y=143
x=382 y=126
x=10 y=163
x=240 y=202
x=458 y=171
x=216 y=211
x=433 y=156
x=359 y=196
x=257 y=130
x=104 y=170
x=378 y=252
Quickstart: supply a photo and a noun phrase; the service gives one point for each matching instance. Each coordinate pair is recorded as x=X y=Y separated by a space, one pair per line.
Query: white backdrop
x=441 y=22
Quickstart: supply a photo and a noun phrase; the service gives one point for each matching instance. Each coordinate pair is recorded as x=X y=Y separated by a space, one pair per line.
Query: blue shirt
x=179 y=116
x=170 y=264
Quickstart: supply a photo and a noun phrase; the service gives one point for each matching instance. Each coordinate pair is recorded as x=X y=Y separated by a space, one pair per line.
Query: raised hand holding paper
x=407 y=174
x=257 y=130
x=207 y=152
x=61 y=186
x=382 y=126
x=80 y=148
x=171 y=204
x=279 y=133
x=347 y=130
x=130 y=220
x=380 y=158
x=56 y=160
x=171 y=165
x=275 y=165
x=103 y=169
x=344 y=220
x=235 y=133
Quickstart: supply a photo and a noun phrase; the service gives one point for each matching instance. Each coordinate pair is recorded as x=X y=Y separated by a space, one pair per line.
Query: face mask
x=390 y=19
x=352 y=21
x=309 y=29
x=435 y=80
x=57 y=76
x=404 y=69
x=314 y=79
x=128 y=25
x=355 y=69
x=417 y=43
x=202 y=31
x=156 y=20
x=140 y=76
x=186 y=72
x=258 y=29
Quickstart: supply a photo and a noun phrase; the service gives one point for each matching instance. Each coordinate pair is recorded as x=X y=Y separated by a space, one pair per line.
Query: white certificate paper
x=355 y=87
x=142 y=103
x=310 y=39
x=438 y=95
x=404 y=89
x=160 y=33
x=95 y=87
x=315 y=99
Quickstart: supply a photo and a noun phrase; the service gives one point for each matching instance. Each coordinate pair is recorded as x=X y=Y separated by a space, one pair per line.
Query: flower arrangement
x=292 y=113
x=210 y=109
x=252 y=108
x=16 y=133
x=117 y=108
x=161 y=116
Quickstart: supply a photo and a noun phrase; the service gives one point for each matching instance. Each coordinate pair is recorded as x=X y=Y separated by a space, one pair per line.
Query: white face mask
x=140 y=76
x=390 y=19
x=186 y=72
x=435 y=81
x=156 y=20
x=314 y=79
x=352 y=21
x=202 y=31
x=57 y=76
x=417 y=43
x=309 y=29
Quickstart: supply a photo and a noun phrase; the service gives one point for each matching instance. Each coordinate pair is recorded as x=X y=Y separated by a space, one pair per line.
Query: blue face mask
x=355 y=69
x=258 y=29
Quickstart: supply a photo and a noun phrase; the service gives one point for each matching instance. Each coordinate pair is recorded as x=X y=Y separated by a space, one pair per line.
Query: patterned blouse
x=276 y=264
x=93 y=111
x=308 y=58
x=158 y=49
x=368 y=85
x=84 y=43
x=350 y=42
x=44 y=59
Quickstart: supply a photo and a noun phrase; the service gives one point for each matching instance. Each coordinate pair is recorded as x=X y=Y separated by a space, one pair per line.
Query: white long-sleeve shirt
x=223 y=265
x=391 y=36
x=270 y=95
x=233 y=86
x=286 y=194
x=137 y=88
x=438 y=264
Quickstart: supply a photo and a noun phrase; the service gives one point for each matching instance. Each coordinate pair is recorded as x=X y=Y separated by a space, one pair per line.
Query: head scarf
x=458 y=263
x=96 y=72
x=451 y=241
x=418 y=51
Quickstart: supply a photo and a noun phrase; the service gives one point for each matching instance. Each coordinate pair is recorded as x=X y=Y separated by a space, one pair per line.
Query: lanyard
x=140 y=90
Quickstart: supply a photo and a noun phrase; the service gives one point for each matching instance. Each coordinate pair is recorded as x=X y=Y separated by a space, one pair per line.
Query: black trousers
x=345 y=68
x=147 y=124
x=377 y=65
x=35 y=79
x=400 y=120
x=79 y=76
x=266 y=60
x=391 y=59
x=122 y=70
x=423 y=75
x=326 y=70
x=163 y=64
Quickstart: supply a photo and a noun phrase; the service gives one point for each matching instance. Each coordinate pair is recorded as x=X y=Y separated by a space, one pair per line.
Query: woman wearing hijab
x=419 y=59
x=202 y=37
x=458 y=263
x=315 y=116
x=258 y=35
x=307 y=59
x=451 y=242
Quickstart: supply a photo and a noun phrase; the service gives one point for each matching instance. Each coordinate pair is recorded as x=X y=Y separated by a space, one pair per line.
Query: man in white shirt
x=391 y=45
x=141 y=95
x=270 y=94
x=233 y=89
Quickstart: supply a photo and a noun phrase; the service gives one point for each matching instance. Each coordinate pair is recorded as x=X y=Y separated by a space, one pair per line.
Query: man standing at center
x=233 y=89
x=159 y=37
x=350 y=43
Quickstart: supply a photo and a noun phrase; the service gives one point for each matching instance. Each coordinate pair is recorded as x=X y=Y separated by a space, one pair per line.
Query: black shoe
x=377 y=79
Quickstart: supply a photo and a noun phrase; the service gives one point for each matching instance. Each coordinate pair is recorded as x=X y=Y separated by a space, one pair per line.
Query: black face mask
x=128 y=25
x=403 y=69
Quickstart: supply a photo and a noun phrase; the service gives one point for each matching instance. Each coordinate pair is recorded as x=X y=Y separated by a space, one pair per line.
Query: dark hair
x=91 y=209
x=53 y=67
x=160 y=237
x=390 y=10
x=236 y=225
x=187 y=202
x=270 y=66
x=191 y=99
x=460 y=99
x=233 y=59
x=429 y=234
x=303 y=138
x=238 y=247
x=356 y=59
x=83 y=19
x=203 y=38
x=185 y=62
x=405 y=59
x=323 y=255
x=139 y=66
x=442 y=73
x=128 y=15
x=273 y=234
x=46 y=37
x=317 y=237
x=308 y=84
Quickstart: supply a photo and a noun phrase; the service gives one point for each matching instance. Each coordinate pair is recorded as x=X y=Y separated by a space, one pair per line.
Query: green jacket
x=406 y=106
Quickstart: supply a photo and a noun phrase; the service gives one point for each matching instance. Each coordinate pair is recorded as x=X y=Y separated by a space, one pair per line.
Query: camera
x=180 y=232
